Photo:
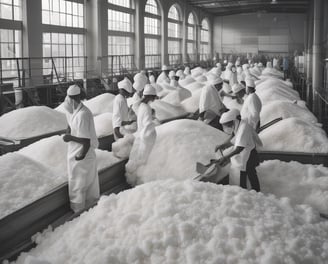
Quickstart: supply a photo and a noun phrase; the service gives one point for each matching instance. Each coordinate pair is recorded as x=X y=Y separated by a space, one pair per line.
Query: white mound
x=191 y=104
x=293 y=134
x=188 y=222
x=101 y=104
x=103 y=125
x=179 y=145
x=30 y=122
x=301 y=183
x=22 y=181
x=272 y=72
x=195 y=86
x=165 y=110
x=186 y=81
x=52 y=153
x=285 y=110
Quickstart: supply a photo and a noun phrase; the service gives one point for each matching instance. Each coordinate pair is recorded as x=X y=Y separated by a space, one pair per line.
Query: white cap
x=140 y=77
x=237 y=63
x=171 y=74
x=218 y=65
x=230 y=64
x=139 y=86
x=179 y=73
x=152 y=79
x=269 y=64
x=229 y=116
x=250 y=82
x=149 y=90
x=125 y=84
x=237 y=87
x=245 y=66
x=187 y=71
x=214 y=79
x=164 y=68
x=260 y=64
x=73 y=90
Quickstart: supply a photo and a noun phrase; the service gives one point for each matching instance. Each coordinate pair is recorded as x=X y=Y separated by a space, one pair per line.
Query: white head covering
x=269 y=64
x=218 y=65
x=171 y=74
x=73 y=90
x=229 y=65
x=187 y=71
x=125 y=84
x=180 y=74
x=260 y=64
x=149 y=90
x=225 y=61
x=164 y=68
x=139 y=86
x=140 y=77
x=237 y=63
x=245 y=66
x=250 y=82
x=237 y=87
x=229 y=116
x=214 y=79
x=152 y=79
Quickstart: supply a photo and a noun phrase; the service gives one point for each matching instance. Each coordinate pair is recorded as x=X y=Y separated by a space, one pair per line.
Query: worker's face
x=68 y=104
x=229 y=127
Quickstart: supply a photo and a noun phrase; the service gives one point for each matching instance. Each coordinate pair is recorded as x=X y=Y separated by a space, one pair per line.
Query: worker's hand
x=67 y=137
x=79 y=157
x=218 y=147
x=223 y=161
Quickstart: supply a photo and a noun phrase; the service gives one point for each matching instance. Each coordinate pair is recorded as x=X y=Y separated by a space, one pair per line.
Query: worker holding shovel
x=243 y=157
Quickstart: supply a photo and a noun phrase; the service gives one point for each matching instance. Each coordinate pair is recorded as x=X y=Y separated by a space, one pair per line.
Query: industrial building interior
x=162 y=211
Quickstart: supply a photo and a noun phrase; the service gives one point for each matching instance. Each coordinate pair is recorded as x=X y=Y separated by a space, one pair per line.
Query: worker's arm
x=225 y=145
x=85 y=142
x=201 y=116
x=225 y=159
x=117 y=132
x=223 y=93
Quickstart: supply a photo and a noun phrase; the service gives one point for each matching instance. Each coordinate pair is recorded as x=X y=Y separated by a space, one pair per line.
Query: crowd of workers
x=234 y=80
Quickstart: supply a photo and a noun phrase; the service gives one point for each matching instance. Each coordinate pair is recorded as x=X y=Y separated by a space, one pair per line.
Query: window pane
x=151 y=7
x=152 y=26
x=173 y=13
x=125 y=3
x=119 y=21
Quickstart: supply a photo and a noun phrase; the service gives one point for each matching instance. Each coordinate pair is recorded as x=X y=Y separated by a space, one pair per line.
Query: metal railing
x=175 y=60
x=34 y=71
x=153 y=61
x=117 y=65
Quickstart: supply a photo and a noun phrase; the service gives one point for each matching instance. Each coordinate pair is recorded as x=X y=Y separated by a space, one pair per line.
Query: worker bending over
x=120 y=108
x=83 y=184
x=252 y=106
x=210 y=104
x=244 y=157
x=146 y=133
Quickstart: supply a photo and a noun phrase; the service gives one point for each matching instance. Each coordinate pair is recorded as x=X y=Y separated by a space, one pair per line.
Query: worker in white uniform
x=239 y=92
x=120 y=116
x=210 y=104
x=252 y=106
x=83 y=183
x=146 y=134
x=243 y=157
x=163 y=77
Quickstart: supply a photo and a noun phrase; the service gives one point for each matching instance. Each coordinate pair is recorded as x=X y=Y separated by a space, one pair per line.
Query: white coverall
x=120 y=113
x=251 y=110
x=144 y=139
x=210 y=101
x=83 y=182
x=163 y=78
x=245 y=136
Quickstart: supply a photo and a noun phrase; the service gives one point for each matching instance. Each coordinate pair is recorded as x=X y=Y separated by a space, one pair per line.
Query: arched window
x=191 y=38
x=152 y=32
x=174 y=36
x=120 y=35
x=204 y=41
